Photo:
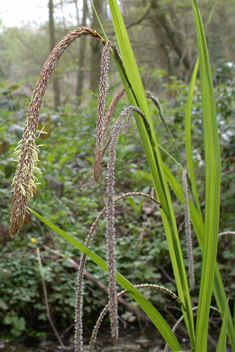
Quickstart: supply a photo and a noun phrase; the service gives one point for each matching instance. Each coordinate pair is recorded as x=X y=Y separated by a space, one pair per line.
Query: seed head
x=24 y=179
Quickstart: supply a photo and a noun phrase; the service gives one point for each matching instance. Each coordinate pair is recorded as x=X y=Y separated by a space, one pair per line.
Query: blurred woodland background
x=163 y=36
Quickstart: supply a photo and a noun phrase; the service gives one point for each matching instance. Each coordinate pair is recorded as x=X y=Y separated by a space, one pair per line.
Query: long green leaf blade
x=221 y=347
x=137 y=94
x=188 y=137
x=188 y=129
x=198 y=225
x=213 y=176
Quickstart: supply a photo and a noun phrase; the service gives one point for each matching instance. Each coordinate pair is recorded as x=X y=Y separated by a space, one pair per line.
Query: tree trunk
x=56 y=87
x=162 y=51
x=81 y=57
x=96 y=49
x=169 y=35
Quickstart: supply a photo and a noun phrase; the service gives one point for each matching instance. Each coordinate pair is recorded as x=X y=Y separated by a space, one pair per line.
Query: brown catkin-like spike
x=112 y=106
x=24 y=179
x=100 y=125
x=226 y=233
x=110 y=230
x=99 y=153
x=80 y=284
x=127 y=123
x=188 y=229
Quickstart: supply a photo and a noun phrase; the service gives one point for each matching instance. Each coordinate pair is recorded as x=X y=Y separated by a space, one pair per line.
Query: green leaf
x=188 y=137
x=221 y=347
x=136 y=95
x=198 y=226
x=3 y=305
x=21 y=324
x=212 y=187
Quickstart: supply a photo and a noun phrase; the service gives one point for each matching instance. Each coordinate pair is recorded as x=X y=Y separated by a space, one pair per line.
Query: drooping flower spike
x=102 y=125
x=24 y=182
x=78 y=338
x=188 y=231
x=110 y=215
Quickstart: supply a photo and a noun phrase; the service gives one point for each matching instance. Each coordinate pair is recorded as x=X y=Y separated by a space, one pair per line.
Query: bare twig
x=46 y=299
x=95 y=281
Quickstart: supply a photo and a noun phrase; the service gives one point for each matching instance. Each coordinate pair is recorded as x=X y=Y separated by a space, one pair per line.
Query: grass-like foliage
x=205 y=222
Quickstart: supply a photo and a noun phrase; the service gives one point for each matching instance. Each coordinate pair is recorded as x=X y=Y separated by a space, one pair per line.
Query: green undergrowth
x=70 y=198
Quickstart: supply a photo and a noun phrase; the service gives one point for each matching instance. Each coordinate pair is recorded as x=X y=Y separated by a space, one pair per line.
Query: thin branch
x=95 y=281
x=46 y=299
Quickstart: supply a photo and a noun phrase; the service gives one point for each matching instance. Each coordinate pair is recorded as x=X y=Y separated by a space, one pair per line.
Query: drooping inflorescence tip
x=24 y=181
x=24 y=184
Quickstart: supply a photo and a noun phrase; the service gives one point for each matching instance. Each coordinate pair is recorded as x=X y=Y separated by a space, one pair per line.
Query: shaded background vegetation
x=164 y=42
